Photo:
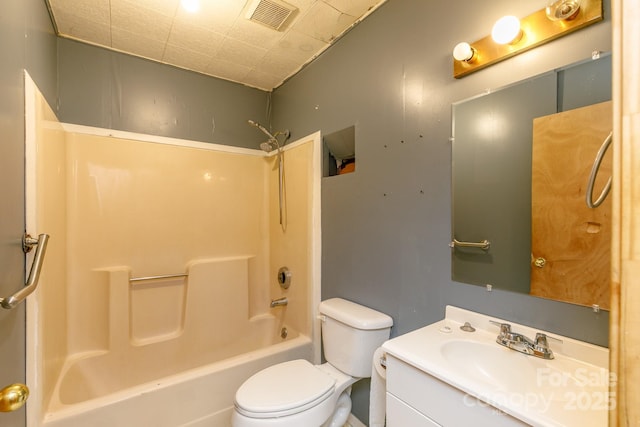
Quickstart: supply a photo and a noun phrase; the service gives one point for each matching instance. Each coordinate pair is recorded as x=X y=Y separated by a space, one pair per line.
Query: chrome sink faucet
x=539 y=347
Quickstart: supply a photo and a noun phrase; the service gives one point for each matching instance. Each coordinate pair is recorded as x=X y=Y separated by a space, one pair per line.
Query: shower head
x=270 y=145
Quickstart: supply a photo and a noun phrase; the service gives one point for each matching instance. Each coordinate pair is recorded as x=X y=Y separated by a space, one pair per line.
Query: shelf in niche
x=339 y=152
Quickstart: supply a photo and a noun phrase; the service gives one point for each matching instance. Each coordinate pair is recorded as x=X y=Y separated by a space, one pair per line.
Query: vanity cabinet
x=417 y=399
x=404 y=415
x=447 y=375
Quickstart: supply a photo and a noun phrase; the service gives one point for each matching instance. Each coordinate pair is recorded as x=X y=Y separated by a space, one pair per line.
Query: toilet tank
x=351 y=333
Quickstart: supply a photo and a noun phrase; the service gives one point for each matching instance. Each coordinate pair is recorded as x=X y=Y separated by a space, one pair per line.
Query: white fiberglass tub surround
x=111 y=342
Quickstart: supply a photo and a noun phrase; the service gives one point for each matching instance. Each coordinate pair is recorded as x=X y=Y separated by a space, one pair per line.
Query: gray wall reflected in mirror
x=492 y=169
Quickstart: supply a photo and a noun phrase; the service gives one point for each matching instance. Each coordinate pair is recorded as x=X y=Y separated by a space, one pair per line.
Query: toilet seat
x=284 y=389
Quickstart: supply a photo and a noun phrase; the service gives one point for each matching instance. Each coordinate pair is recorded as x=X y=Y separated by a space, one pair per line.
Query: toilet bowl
x=290 y=394
x=299 y=394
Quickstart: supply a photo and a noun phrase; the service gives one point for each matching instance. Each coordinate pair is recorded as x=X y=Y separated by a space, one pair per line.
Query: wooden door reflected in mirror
x=570 y=242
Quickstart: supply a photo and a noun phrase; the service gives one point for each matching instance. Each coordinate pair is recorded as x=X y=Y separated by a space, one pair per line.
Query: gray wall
x=28 y=43
x=111 y=90
x=385 y=228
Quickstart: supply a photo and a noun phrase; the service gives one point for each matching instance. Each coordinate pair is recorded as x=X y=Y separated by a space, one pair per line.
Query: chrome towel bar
x=484 y=244
x=166 y=276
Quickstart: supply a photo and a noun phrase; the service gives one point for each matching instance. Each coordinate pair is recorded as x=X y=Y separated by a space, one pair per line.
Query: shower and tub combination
x=155 y=302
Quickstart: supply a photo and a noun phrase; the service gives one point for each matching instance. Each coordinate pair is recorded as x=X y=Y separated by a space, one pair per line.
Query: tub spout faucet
x=278 y=302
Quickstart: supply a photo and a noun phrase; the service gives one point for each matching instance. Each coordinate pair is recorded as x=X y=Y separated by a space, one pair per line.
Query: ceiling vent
x=271 y=13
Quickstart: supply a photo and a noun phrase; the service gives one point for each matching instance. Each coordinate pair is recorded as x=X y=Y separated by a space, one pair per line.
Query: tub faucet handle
x=279 y=302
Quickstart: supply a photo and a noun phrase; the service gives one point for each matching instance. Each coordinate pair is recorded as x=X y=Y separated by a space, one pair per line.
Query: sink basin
x=491 y=363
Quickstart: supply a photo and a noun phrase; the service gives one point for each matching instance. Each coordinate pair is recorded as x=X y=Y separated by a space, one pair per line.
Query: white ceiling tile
x=140 y=21
x=227 y=70
x=98 y=36
x=92 y=10
x=218 y=15
x=218 y=40
x=262 y=80
x=195 y=38
x=297 y=46
x=253 y=33
x=303 y=5
x=323 y=22
x=84 y=29
x=186 y=58
x=136 y=44
x=241 y=53
x=275 y=66
x=164 y=7
x=354 y=8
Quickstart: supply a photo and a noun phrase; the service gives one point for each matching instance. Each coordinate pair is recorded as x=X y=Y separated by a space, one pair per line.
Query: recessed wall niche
x=339 y=152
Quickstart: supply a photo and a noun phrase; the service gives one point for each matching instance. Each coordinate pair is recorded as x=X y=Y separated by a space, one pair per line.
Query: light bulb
x=506 y=30
x=191 y=6
x=464 y=52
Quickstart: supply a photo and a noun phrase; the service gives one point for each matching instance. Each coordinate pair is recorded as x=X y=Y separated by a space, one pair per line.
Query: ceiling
x=218 y=40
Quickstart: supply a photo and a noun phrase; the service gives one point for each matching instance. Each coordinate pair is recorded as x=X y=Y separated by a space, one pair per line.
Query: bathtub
x=92 y=393
x=176 y=350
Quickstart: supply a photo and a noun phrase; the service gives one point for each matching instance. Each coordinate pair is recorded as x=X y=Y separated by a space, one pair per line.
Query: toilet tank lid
x=355 y=315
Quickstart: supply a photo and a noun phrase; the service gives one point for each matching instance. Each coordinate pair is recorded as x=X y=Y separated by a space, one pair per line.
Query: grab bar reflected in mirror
x=484 y=244
x=28 y=243
x=594 y=172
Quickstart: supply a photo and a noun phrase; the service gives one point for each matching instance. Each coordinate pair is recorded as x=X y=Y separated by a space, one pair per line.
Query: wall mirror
x=522 y=158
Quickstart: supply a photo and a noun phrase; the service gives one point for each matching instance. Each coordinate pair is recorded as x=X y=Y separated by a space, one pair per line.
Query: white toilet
x=299 y=394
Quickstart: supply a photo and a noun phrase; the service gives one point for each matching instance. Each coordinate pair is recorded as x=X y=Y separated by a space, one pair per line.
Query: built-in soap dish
x=467 y=327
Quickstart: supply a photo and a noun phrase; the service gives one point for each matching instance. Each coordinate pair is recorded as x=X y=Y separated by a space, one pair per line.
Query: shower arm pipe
x=264 y=130
x=278 y=133
x=273 y=137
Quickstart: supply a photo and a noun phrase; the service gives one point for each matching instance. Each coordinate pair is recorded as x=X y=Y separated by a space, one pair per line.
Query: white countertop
x=570 y=390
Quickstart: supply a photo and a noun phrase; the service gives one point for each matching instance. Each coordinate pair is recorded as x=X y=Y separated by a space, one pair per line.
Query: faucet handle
x=541 y=346
x=505 y=328
x=541 y=340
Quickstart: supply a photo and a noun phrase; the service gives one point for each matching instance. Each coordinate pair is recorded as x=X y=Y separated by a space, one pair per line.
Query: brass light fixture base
x=537 y=29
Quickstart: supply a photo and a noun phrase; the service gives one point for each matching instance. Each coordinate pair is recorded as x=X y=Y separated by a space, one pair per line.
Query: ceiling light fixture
x=191 y=6
x=511 y=36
